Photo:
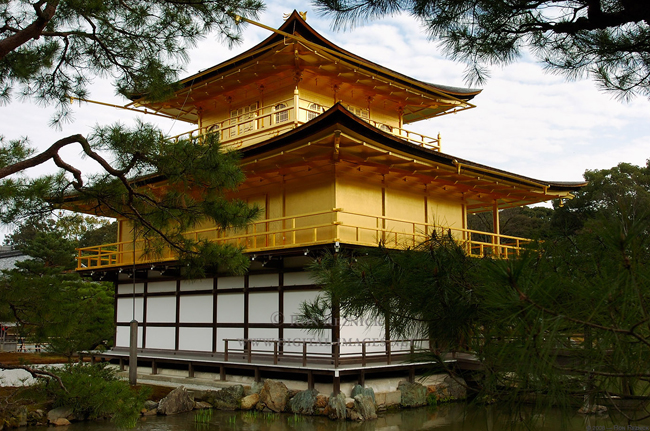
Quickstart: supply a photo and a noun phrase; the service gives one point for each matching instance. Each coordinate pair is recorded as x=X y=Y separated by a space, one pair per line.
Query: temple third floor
x=238 y=125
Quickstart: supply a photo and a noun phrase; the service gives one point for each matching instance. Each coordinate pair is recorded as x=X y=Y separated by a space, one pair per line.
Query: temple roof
x=296 y=51
x=339 y=138
x=340 y=135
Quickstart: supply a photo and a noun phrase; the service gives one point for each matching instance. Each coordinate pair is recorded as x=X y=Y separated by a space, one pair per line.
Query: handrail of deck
x=335 y=355
x=310 y=229
x=236 y=132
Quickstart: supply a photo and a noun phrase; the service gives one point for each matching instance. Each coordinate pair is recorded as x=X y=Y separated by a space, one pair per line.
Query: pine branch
x=36 y=373
x=32 y=31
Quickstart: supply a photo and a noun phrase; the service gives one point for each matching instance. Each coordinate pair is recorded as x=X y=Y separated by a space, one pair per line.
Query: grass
x=296 y=418
x=255 y=415
x=203 y=416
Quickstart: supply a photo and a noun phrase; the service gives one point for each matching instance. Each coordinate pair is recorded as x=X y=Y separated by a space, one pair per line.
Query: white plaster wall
x=161 y=309
x=263 y=307
x=161 y=338
x=202 y=284
x=125 y=309
x=294 y=336
x=264 y=334
x=234 y=282
x=124 y=289
x=362 y=329
x=161 y=286
x=228 y=333
x=230 y=308
x=196 y=309
x=124 y=334
x=292 y=301
x=298 y=279
x=263 y=280
x=195 y=339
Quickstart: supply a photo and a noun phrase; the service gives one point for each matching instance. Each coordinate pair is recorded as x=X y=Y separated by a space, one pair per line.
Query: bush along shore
x=89 y=392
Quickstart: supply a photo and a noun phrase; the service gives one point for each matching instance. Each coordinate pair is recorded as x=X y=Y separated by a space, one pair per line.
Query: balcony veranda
x=309 y=230
x=268 y=121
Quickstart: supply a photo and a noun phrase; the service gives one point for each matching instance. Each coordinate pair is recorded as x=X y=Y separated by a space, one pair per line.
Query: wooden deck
x=259 y=366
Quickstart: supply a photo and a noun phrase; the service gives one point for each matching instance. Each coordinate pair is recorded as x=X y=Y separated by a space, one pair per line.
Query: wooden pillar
x=190 y=370
x=310 y=379
x=296 y=105
x=133 y=353
x=496 y=227
x=336 y=384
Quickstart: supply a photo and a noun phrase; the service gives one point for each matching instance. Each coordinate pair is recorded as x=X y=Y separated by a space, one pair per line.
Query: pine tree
x=50 y=50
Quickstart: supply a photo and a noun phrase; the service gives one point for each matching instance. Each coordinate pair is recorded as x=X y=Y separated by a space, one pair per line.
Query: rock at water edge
x=274 y=395
x=360 y=390
x=457 y=387
x=227 y=398
x=365 y=407
x=60 y=422
x=59 y=412
x=412 y=394
x=336 y=406
x=304 y=402
x=249 y=402
x=177 y=401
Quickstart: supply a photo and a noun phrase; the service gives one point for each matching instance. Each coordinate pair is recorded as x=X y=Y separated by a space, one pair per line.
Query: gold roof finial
x=303 y=15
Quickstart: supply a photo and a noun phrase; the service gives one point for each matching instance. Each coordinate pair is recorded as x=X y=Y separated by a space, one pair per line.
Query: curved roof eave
x=338 y=114
x=313 y=36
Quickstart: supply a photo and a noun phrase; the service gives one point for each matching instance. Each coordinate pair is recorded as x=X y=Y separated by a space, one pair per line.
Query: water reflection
x=453 y=417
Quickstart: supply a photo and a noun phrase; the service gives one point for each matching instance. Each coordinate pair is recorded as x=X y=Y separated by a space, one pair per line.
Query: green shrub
x=95 y=391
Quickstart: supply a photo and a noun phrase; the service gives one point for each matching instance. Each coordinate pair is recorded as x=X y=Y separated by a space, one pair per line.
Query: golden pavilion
x=327 y=156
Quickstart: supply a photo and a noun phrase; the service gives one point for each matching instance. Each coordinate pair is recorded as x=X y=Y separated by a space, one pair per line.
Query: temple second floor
x=340 y=181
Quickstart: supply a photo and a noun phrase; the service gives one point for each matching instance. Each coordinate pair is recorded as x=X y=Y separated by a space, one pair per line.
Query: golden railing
x=305 y=230
x=268 y=121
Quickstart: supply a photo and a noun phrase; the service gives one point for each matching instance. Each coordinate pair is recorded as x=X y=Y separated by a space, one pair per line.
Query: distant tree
x=77 y=228
x=621 y=192
x=523 y=222
x=608 y=40
x=48 y=300
x=570 y=323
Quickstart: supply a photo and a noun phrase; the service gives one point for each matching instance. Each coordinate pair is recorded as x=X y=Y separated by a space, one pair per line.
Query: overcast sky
x=526 y=121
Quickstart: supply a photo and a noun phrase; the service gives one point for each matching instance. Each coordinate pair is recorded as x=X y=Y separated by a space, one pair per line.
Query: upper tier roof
x=296 y=51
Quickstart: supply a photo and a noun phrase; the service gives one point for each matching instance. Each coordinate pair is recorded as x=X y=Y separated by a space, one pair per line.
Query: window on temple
x=359 y=112
x=242 y=119
x=314 y=110
x=282 y=113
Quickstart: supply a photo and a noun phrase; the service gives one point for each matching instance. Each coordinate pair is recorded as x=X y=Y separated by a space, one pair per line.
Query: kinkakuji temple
x=327 y=156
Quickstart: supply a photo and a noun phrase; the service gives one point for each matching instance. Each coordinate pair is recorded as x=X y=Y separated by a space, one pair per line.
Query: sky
x=527 y=121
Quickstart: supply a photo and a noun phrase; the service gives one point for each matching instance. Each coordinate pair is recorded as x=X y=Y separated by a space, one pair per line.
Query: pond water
x=453 y=417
